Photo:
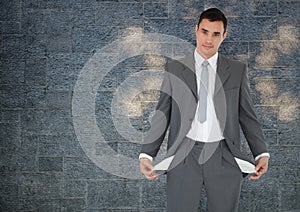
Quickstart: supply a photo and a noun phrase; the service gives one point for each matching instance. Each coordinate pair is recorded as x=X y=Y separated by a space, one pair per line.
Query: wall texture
x=44 y=44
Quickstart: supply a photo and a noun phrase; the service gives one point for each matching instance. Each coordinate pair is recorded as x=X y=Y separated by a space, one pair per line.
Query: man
x=204 y=124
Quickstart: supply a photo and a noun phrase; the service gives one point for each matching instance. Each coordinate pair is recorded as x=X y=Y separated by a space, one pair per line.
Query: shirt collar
x=212 y=60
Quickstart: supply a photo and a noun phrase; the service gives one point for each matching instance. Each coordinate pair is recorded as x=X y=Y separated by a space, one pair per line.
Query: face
x=209 y=36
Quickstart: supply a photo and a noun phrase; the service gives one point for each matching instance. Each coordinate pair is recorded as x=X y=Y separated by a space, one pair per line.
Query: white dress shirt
x=208 y=131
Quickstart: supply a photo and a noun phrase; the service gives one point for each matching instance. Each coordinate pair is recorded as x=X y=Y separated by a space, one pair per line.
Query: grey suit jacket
x=178 y=102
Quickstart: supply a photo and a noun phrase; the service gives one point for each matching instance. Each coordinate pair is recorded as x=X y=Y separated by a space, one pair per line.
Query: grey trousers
x=217 y=172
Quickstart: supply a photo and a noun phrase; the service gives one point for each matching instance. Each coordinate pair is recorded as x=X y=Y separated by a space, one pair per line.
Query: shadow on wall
x=270 y=53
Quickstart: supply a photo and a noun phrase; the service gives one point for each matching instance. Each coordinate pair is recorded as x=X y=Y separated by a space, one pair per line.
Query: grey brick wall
x=44 y=44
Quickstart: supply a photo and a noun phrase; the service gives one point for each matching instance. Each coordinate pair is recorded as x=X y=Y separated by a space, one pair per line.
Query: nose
x=209 y=39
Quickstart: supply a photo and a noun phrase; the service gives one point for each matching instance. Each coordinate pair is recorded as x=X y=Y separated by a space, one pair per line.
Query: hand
x=261 y=167
x=146 y=168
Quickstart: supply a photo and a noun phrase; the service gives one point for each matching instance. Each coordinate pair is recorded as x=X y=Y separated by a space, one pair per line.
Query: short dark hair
x=213 y=14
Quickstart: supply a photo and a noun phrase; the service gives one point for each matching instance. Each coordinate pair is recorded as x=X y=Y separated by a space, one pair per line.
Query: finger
x=147 y=165
x=255 y=176
x=152 y=177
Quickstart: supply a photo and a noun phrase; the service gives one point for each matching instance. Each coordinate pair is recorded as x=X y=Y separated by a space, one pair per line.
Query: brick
x=289 y=8
x=181 y=28
x=73 y=204
x=265 y=8
x=258 y=193
x=103 y=103
x=274 y=92
x=45 y=122
x=33 y=20
x=131 y=31
x=13 y=96
x=274 y=53
x=9 y=135
x=290 y=193
x=271 y=137
x=156 y=10
x=50 y=4
x=277 y=73
x=142 y=62
x=36 y=46
x=14 y=47
x=58 y=99
x=35 y=97
x=74 y=4
x=186 y=9
x=89 y=39
x=12 y=71
x=235 y=50
x=74 y=188
x=113 y=193
x=10 y=116
x=10 y=10
x=76 y=168
x=59 y=145
x=27 y=154
x=129 y=149
x=104 y=148
x=154 y=193
x=108 y=130
x=11 y=27
x=231 y=8
x=36 y=71
x=87 y=17
x=29 y=4
x=8 y=160
x=59 y=43
x=289 y=136
x=290 y=158
x=289 y=116
x=40 y=204
x=108 y=83
x=267 y=116
x=9 y=194
x=130 y=14
x=248 y=29
x=289 y=28
x=107 y=14
x=50 y=164
x=58 y=22
x=40 y=185
x=181 y=50
x=288 y=175
x=63 y=70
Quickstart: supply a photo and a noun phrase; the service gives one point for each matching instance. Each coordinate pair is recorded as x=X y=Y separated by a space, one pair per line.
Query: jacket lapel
x=189 y=74
x=222 y=73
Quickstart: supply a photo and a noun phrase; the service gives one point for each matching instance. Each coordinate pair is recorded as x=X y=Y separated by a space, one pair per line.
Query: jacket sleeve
x=248 y=120
x=160 y=120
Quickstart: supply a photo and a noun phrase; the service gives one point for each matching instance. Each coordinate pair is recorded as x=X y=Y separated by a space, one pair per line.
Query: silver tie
x=203 y=92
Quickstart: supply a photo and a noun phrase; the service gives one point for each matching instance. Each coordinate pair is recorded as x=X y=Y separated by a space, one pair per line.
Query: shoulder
x=181 y=64
x=231 y=62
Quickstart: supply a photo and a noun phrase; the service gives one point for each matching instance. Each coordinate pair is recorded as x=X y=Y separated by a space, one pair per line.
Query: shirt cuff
x=144 y=155
x=262 y=155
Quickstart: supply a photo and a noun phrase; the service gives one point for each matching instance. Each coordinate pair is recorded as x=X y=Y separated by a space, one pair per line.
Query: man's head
x=210 y=32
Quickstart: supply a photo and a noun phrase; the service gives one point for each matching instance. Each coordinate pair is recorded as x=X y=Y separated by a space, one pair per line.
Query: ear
x=224 y=35
x=196 y=28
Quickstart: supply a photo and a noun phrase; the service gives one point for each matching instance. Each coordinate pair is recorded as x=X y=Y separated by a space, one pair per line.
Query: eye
x=217 y=34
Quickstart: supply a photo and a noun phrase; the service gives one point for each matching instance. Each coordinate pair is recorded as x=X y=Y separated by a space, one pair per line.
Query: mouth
x=207 y=46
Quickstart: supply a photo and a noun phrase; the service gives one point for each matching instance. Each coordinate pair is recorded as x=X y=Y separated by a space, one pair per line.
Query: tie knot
x=205 y=63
